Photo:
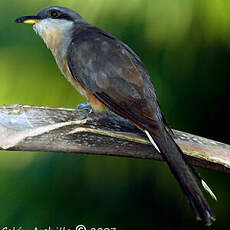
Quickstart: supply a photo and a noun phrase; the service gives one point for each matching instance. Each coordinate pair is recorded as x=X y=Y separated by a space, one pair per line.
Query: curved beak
x=28 y=19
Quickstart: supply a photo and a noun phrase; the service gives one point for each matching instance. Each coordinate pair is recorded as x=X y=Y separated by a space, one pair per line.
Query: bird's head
x=53 y=23
x=52 y=13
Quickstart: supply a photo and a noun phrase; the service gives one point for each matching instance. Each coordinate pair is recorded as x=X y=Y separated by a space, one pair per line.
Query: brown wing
x=113 y=73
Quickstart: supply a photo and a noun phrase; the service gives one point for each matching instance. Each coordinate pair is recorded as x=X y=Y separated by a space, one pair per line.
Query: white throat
x=56 y=33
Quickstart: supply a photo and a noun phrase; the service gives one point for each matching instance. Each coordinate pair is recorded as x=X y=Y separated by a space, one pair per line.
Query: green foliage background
x=185 y=47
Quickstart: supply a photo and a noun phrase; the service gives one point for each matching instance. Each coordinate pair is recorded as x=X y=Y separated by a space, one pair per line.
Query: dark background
x=185 y=45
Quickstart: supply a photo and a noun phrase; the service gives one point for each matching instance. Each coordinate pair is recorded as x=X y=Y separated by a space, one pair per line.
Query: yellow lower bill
x=32 y=21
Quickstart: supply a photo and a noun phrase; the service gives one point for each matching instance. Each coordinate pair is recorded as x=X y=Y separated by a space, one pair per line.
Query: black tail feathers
x=181 y=170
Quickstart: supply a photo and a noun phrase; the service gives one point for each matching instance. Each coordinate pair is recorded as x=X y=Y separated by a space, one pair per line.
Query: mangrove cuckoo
x=110 y=75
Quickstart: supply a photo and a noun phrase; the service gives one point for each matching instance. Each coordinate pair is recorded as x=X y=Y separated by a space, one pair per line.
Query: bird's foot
x=85 y=105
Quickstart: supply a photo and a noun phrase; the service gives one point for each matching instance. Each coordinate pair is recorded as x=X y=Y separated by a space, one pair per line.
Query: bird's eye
x=54 y=14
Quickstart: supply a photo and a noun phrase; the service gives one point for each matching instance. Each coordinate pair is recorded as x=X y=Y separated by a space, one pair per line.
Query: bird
x=111 y=76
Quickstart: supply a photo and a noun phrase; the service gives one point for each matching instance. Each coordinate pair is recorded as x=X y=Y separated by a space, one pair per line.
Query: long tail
x=165 y=144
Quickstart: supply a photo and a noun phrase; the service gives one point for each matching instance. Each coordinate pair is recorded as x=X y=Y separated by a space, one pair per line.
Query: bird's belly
x=97 y=106
x=66 y=72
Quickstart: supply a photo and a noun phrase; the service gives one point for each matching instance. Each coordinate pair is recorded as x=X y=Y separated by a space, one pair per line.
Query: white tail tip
x=151 y=140
x=208 y=190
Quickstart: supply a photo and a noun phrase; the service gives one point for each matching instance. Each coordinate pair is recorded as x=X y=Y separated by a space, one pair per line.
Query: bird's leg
x=85 y=105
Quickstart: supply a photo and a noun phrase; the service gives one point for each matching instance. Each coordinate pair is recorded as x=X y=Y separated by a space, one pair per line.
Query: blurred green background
x=185 y=45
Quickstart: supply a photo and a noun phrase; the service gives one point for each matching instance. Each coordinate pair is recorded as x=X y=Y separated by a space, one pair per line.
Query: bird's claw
x=85 y=105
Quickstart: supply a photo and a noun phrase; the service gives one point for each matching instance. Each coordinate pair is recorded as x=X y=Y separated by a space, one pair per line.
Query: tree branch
x=33 y=128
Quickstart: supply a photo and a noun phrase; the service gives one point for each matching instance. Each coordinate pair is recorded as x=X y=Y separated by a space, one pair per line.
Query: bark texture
x=34 y=128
